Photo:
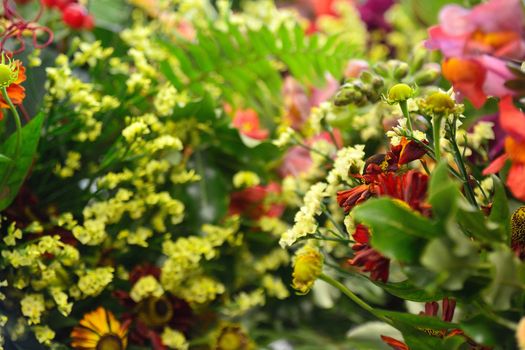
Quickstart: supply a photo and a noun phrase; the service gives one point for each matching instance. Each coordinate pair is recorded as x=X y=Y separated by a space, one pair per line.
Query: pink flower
x=491 y=28
x=247 y=122
x=298 y=102
x=355 y=67
x=298 y=161
x=476 y=43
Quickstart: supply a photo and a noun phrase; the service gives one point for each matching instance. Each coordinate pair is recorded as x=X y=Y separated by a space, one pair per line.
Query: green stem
x=18 y=141
x=436 y=128
x=300 y=144
x=461 y=165
x=404 y=109
x=353 y=297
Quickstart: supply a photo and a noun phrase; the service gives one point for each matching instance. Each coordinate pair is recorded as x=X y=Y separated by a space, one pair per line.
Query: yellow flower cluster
x=174 y=339
x=83 y=97
x=146 y=287
x=304 y=220
x=91 y=53
x=274 y=287
x=185 y=254
x=244 y=302
x=245 y=179
x=200 y=289
x=71 y=165
x=92 y=282
x=32 y=306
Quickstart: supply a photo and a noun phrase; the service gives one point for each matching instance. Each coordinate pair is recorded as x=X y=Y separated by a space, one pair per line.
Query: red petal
x=496 y=165
x=511 y=118
x=516 y=180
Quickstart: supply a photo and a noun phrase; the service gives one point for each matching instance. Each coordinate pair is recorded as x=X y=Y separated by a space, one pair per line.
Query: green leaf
x=500 y=212
x=368 y=336
x=443 y=192
x=398 y=232
x=407 y=291
x=422 y=322
x=5 y=159
x=504 y=270
x=30 y=138
x=482 y=330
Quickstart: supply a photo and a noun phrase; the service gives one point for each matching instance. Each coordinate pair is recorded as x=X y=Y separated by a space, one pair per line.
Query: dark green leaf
x=30 y=138
x=500 y=212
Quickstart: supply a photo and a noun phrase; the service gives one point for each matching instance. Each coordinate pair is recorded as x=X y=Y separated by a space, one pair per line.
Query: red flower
x=410 y=188
x=150 y=316
x=513 y=122
x=247 y=121
x=348 y=199
x=366 y=257
x=406 y=152
x=394 y=343
x=256 y=201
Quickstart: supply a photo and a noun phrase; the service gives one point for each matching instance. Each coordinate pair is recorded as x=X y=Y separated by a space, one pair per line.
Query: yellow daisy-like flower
x=99 y=330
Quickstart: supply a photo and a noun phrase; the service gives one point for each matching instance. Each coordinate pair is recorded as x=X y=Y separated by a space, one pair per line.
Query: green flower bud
x=401 y=70
x=400 y=92
x=439 y=103
x=381 y=69
x=426 y=77
x=8 y=72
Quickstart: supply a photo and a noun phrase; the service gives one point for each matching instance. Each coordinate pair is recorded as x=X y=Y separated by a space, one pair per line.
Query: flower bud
x=308 y=266
x=8 y=72
x=400 y=92
x=426 y=76
x=401 y=70
x=439 y=103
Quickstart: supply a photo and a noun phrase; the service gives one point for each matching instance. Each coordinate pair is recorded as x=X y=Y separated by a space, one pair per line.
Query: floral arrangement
x=198 y=174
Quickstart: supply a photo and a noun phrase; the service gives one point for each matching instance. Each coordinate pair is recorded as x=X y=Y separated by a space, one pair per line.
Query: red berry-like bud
x=73 y=16
x=49 y=3
x=62 y=4
x=89 y=23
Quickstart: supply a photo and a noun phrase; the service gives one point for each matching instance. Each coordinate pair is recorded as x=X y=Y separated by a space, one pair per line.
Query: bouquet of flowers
x=257 y=174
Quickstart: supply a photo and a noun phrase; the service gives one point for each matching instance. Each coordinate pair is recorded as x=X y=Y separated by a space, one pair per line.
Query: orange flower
x=15 y=91
x=467 y=76
x=100 y=330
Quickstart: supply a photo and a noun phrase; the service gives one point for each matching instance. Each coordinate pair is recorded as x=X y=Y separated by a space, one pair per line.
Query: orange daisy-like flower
x=100 y=330
x=15 y=91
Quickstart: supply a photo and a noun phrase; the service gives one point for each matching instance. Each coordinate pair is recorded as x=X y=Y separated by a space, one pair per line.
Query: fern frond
x=244 y=64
